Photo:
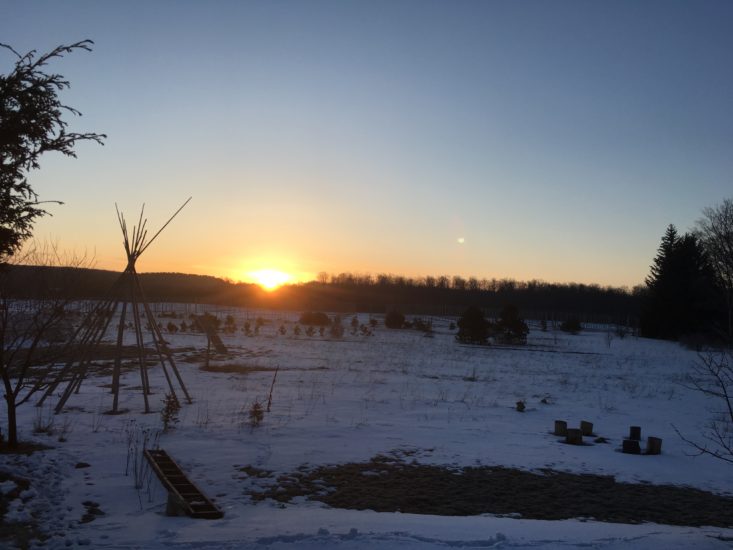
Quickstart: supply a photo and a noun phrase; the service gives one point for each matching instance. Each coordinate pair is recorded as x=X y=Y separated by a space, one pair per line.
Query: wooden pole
x=118 y=359
x=162 y=349
x=140 y=347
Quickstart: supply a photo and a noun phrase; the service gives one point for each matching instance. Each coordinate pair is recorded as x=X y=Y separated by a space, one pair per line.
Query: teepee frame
x=127 y=297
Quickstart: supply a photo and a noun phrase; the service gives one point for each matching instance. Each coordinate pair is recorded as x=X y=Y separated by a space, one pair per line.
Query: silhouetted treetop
x=31 y=124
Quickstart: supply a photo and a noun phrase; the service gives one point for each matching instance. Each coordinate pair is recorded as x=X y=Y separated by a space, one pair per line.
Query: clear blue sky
x=557 y=139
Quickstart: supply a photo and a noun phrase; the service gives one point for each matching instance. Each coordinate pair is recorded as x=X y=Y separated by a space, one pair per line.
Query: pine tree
x=660 y=267
x=473 y=328
x=681 y=292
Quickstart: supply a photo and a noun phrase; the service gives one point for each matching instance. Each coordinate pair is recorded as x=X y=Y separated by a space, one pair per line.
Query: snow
x=334 y=401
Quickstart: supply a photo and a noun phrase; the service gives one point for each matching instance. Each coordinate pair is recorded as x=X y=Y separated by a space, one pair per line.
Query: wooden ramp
x=217 y=343
x=206 y=324
x=184 y=497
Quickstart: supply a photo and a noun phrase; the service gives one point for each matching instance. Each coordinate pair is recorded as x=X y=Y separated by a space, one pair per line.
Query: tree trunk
x=12 y=419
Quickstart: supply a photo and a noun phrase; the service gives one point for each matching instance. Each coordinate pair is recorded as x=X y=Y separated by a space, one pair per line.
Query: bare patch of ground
x=236 y=368
x=385 y=484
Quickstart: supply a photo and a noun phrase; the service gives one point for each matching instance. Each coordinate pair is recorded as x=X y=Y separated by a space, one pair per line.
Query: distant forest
x=350 y=293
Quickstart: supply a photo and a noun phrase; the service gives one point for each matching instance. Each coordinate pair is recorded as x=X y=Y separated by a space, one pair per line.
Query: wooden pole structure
x=127 y=290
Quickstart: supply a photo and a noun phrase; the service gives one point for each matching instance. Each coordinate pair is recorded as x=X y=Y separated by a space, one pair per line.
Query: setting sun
x=269 y=279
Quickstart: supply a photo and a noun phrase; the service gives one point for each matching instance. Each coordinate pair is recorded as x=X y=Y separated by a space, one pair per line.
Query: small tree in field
x=337 y=328
x=29 y=328
x=394 y=319
x=473 y=327
x=510 y=328
x=169 y=413
x=571 y=325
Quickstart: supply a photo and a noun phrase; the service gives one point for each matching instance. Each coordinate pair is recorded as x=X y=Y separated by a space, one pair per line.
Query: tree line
x=343 y=293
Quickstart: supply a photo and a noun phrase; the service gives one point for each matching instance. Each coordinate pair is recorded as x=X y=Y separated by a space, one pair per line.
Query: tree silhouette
x=715 y=232
x=510 y=328
x=31 y=123
x=681 y=296
x=473 y=328
x=394 y=319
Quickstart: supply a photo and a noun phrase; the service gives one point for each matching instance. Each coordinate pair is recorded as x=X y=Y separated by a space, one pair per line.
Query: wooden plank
x=183 y=494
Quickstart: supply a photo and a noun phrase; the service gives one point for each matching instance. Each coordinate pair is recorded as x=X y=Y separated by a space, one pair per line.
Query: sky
x=530 y=140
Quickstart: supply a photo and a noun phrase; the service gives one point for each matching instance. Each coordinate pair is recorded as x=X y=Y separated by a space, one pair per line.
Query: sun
x=269 y=279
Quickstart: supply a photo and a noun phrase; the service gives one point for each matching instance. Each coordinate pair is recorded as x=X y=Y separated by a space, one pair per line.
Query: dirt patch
x=235 y=368
x=23 y=448
x=388 y=485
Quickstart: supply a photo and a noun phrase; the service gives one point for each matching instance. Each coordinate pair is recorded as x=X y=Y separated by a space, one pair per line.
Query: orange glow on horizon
x=269 y=279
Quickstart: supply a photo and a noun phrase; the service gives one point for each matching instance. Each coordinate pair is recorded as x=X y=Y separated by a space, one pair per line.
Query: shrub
x=422 y=325
x=473 y=328
x=571 y=325
x=317 y=318
x=394 y=319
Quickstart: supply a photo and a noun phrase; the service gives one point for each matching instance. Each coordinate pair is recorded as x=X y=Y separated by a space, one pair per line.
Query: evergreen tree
x=473 y=328
x=510 y=328
x=681 y=293
x=32 y=122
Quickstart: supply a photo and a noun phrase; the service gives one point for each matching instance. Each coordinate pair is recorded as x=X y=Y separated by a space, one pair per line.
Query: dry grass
x=385 y=484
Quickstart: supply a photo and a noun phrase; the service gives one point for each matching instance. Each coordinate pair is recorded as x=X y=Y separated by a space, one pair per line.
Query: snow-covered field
x=347 y=400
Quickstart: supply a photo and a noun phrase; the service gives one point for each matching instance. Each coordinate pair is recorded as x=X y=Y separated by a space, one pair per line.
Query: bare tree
x=715 y=232
x=32 y=326
x=713 y=376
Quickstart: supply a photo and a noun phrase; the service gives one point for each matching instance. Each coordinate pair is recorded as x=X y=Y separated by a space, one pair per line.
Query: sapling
x=256 y=414
x=169 y=413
